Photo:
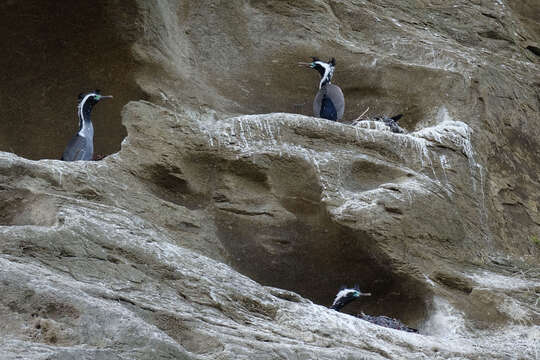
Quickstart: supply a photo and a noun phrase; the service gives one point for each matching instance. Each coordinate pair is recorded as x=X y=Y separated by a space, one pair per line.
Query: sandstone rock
x=217 y=232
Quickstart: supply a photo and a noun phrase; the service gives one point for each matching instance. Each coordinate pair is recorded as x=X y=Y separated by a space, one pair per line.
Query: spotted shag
x=329 y=102
x=391 y=122
x=346 y=295
x=81 y=146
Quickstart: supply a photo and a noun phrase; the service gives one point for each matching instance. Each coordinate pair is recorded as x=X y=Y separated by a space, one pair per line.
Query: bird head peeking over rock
x=329 y=102
x=81 y=146
x=346 y=295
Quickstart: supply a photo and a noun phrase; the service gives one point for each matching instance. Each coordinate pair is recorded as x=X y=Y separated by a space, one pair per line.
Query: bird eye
x=97 y=97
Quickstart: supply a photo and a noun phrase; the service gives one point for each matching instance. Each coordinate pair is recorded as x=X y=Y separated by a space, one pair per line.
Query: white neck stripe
x=81 y=105
x=82 y=131
x=328 y=72
x=341 y=294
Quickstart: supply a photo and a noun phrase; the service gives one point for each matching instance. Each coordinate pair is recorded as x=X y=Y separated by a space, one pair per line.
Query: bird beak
x=363 y=294
x=304 y=64
x=106 y=96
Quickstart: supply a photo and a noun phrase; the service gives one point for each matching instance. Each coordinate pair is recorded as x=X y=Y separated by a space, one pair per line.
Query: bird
x=391 y=122
x=346 y=295
x=329 y=103
x=81 y=146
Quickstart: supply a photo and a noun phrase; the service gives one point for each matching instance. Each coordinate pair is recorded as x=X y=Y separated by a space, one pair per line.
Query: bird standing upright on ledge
x=81 y=146
x=329 y=102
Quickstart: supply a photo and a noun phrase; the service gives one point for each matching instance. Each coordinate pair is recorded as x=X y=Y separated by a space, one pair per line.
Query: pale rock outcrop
x=220 y=232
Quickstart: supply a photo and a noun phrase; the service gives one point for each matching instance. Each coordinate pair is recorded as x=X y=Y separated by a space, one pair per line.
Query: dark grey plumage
x=345 y=296
x=391 y=122
x=329 y=103
x=386 y=322
x=81 y=146
x=334 y=94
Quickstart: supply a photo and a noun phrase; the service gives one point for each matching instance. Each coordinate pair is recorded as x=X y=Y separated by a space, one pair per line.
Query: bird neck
x=86 y=129
x=340 y=302
x=338 y=305
x=324 y=81
x=326 y=76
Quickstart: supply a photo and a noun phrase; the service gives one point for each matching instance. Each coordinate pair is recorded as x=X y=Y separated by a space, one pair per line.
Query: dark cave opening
x=52 y=52
x=315 y=260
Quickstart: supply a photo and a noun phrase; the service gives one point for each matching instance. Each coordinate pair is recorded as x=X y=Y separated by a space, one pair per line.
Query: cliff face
x=229 y=215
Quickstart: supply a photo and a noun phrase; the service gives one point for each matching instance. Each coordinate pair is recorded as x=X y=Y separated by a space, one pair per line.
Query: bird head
x=87 y=102
x=325 y=69
x=346 y=295
x=92 y=97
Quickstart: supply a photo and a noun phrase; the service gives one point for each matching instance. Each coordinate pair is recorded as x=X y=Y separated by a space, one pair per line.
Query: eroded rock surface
x=220 y=233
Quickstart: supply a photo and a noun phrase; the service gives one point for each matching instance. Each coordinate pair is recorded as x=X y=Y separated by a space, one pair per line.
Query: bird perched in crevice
x=81 y=146
x=329 y=102
x=391 y=122
x=346 y=295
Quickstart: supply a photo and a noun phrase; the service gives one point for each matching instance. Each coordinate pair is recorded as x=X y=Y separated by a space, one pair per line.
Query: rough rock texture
x=213 y=234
